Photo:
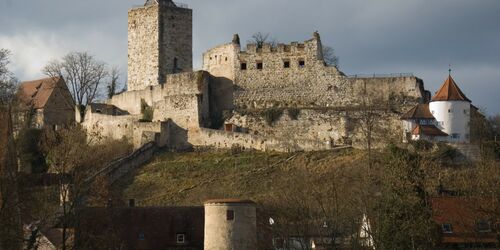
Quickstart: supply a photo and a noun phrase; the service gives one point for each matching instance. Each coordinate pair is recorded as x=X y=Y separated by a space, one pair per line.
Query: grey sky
x=369 y=36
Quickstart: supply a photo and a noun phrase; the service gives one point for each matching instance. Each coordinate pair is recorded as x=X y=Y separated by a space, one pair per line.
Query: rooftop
x=449 y=91
x=420 y=111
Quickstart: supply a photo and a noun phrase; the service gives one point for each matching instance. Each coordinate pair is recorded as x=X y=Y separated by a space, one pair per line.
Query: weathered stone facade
x=236 y=87
x=295 y=75
x=159 y=43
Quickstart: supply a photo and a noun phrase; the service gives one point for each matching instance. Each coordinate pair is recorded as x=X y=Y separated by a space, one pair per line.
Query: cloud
x=377 y=36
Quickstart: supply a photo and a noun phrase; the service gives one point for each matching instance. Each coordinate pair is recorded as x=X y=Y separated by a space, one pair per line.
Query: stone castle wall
x=159 y=43
x=327 y=127
x=183 y=94
x=295 y=75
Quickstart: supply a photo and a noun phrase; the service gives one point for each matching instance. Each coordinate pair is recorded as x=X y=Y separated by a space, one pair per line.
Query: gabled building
x=419 y=123
x=43 y=103
x=465 y=223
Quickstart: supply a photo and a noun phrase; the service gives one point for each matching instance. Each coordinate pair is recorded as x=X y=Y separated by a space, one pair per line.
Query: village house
x=43 y=103
x=465 y=223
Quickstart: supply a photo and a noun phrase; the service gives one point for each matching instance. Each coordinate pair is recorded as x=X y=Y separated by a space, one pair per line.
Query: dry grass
x=190 y=178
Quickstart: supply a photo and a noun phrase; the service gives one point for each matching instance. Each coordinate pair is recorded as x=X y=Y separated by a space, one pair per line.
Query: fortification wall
x=107 y=126
x=326 y=126
x=186 y=110
x=176 y=84
x=295 y=75
x=204 y=137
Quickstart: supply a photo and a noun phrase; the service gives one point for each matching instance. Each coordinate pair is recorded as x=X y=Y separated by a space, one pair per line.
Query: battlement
x=309 y=46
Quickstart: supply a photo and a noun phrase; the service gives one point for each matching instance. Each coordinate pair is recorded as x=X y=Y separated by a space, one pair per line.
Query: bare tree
x=331 y=59
x=7 y=80
x=83 y=74
x=260 y=39
x=10 y=222
x=114 y=84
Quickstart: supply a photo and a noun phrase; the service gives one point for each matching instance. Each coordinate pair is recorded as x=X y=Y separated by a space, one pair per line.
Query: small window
x=260 y=65
x=226 y=59
x=210 y=58
x=483 y=226
x=286 y=64
x=447 y=228
x=455 y=136
x=432 y=112
x=449 y=110
x=243 y=66
x=230 y=215
x=302 y=63
x=141 y=236
x=180 y=238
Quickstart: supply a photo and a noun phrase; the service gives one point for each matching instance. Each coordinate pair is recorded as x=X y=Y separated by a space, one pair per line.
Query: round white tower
x=230 y=224
x=451 y=108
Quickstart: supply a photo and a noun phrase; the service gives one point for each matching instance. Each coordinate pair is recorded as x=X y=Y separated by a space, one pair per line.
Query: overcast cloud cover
x=370 y=36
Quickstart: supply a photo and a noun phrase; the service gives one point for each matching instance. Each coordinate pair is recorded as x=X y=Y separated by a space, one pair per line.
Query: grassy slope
x=190 y=178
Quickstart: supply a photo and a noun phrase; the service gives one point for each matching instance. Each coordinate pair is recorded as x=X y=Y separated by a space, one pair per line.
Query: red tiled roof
x=430 y=130
x=449 y=91
x=420 y=111
x=35 y=94
x=463 y=214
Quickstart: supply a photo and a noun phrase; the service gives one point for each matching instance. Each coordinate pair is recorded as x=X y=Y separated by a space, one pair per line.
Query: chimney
x=131 y=203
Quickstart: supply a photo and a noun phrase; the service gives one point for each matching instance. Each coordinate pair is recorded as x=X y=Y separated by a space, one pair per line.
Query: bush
x=30 y=154
x=293 y=113
x=422 y=145
x=147 y=112
x=272 y=114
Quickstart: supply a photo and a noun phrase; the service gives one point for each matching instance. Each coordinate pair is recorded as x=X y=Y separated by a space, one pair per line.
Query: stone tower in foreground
x=160 y=42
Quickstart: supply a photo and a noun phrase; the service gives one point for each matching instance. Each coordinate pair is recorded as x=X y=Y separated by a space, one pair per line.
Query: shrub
x=272 y=114
x=422 y=145
x=147 y=112
x=293 y=113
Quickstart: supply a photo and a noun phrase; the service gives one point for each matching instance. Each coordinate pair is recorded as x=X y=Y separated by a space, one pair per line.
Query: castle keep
x=159 y=43
x=226 y=104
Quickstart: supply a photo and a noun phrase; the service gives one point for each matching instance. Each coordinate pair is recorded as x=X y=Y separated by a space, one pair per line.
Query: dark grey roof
x=162 y=2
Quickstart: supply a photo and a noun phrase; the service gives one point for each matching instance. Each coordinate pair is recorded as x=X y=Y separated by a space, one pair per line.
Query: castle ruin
x=225 y=104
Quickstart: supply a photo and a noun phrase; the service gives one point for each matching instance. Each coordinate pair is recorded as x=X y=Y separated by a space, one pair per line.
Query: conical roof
x=450 y=91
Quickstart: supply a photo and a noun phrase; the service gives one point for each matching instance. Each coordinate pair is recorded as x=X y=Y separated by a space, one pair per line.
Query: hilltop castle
x=266 y=97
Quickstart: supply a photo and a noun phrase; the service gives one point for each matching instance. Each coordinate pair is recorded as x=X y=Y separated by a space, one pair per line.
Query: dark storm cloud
x=419 y=36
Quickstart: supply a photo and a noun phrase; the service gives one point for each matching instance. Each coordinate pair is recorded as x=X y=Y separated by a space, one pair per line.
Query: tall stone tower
x=160 y=42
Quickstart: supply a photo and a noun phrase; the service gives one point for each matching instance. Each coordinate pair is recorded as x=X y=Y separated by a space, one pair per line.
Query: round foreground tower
x=230 y=224
x=451 y=108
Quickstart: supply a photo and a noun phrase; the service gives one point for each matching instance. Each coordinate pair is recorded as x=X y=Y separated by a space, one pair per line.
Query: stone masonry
x=237 y=87
x=159 y=43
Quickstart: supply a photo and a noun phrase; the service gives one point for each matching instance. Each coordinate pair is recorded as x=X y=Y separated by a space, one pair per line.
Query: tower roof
x=450 y=91
x=162 y=2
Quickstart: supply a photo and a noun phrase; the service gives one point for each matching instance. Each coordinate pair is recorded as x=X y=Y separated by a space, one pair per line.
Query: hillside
x=192 y=177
